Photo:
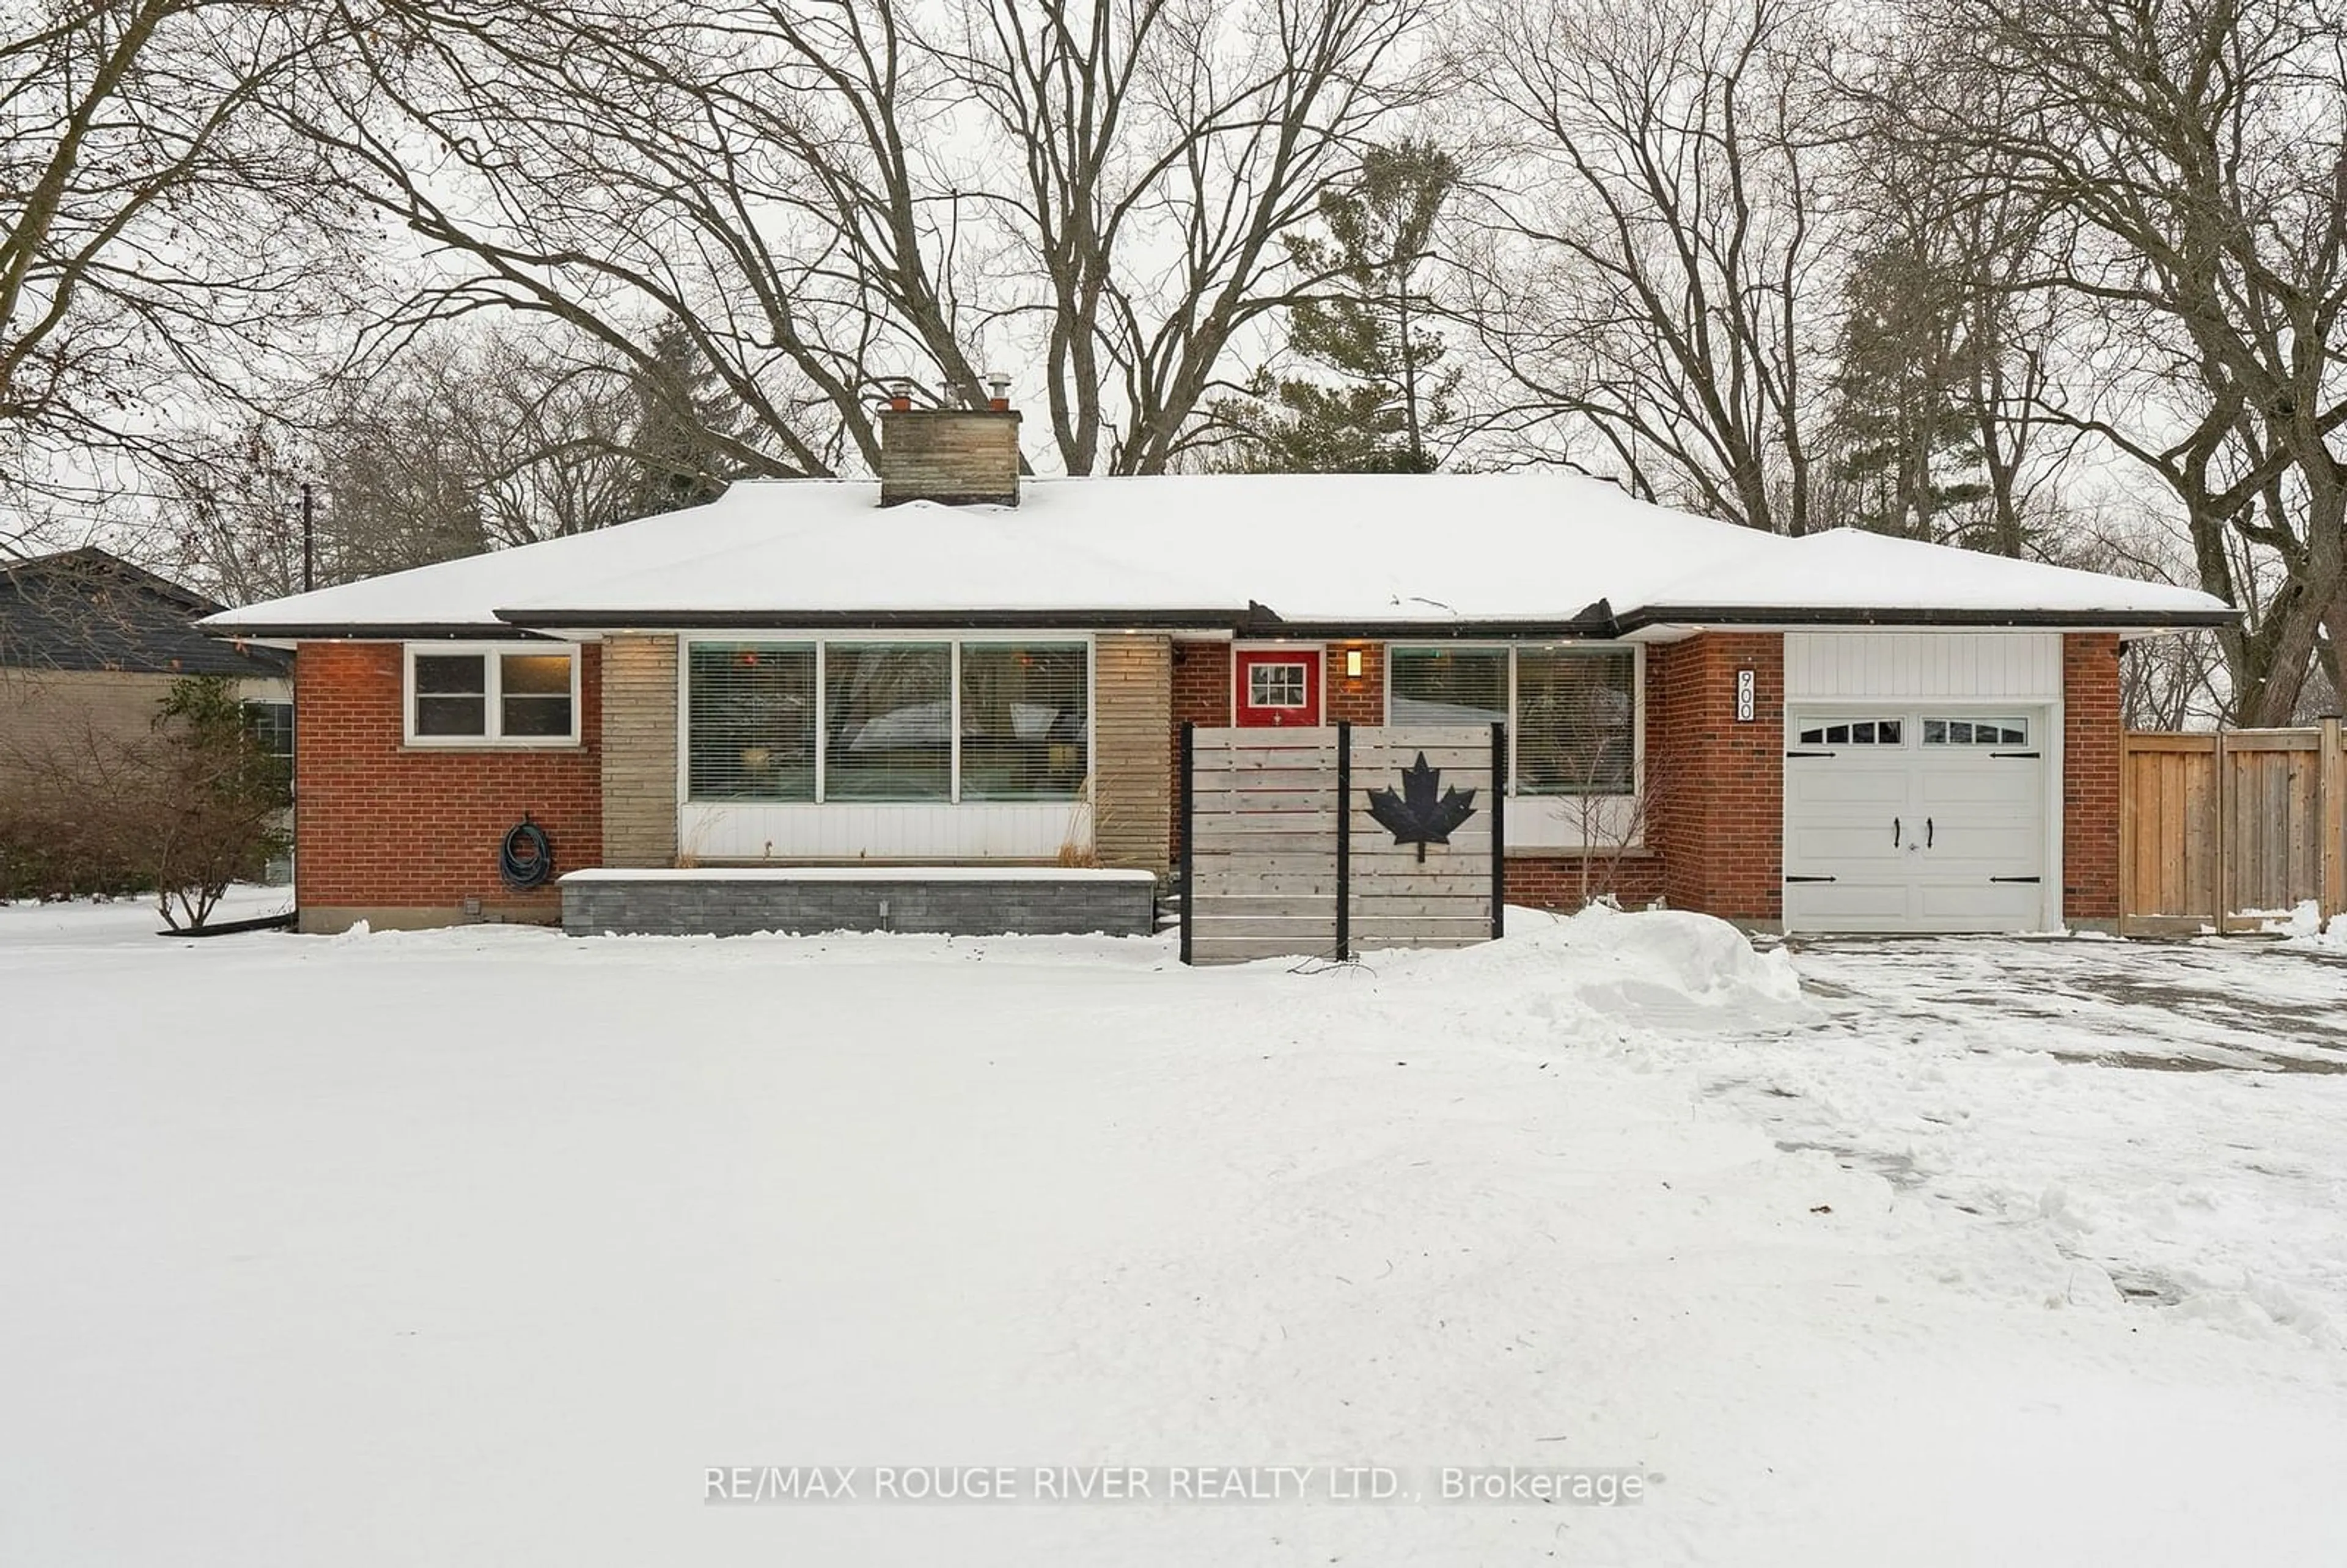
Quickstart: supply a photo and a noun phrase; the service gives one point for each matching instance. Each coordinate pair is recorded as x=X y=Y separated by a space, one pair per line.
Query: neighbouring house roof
x=87 y=609
x=1320 y=554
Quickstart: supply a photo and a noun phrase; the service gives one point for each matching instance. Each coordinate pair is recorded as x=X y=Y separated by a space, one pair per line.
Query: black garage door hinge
x=2016 y=879
x=1808 y=753
x=1824 y=879
x=1995 y=754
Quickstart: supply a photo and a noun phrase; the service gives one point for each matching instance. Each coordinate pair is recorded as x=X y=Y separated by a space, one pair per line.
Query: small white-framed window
x=1856 y=733
x=1276 y=684
x=491 y=694
x=1975 y=732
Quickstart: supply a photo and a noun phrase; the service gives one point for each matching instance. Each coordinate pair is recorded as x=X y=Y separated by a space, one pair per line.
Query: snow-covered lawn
x=484 y=1246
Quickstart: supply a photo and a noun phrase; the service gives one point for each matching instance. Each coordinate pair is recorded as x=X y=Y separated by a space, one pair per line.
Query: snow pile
x=1603 y=982
x=1693 y=959
x=2303 y=928
x=1667 y=969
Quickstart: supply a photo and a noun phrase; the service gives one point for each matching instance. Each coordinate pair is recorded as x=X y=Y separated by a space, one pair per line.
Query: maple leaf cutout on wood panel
x=1417 y=815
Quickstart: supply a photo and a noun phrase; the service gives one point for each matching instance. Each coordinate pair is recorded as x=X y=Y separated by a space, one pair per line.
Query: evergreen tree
x=684 y=416
x=1906 y=438
x=1365 y=326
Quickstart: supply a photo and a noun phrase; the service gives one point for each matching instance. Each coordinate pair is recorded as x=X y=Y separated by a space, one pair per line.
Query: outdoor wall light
x=1352 y=663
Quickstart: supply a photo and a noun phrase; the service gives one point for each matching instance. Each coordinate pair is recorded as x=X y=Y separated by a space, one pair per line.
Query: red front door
x=1276 y=686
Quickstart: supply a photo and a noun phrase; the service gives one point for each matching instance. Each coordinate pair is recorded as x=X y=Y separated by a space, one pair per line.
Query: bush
x=214 y=814
x=180 y=812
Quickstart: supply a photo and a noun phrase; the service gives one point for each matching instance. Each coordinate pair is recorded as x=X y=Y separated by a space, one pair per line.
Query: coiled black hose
x=525 y=859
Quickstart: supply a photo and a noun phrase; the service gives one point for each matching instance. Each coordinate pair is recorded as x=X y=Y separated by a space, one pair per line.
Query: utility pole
x=309 y=538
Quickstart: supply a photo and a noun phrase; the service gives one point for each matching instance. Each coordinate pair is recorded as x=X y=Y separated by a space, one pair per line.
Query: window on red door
x=1278 y=686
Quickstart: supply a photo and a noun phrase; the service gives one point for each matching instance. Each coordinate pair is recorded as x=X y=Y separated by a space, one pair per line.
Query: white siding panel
x=1948 y=666
x=1558 y=822
x=842 y=830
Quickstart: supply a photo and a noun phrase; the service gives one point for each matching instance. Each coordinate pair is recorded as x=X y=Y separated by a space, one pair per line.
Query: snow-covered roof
x=1323 y=551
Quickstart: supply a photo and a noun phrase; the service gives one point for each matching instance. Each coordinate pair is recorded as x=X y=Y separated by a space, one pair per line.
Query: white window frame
x=1303 y=668
x=822 y=639
x=492 y=737
x=1911 y=730
x=2003 y=720
x=1637 y=650
x=1313 y=655
x=250 y=703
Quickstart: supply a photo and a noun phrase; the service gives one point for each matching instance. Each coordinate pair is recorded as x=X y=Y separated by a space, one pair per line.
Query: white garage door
x=1915 y=819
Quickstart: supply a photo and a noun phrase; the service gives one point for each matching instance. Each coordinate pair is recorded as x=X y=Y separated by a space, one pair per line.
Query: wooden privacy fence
x=1333 y=840
x=2218 y=831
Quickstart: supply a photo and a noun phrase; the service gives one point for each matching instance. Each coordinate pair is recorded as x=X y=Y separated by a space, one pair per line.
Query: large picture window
x=861 y=719
x=888 y=721
x=753 y=721
x=1025 y=714
x=1450 y=686
x=513 y=695
x=1571 y=711
x=1576 y=730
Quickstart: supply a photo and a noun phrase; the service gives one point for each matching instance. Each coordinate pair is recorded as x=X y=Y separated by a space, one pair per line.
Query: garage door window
x=1856 y=733
x=1975 y=733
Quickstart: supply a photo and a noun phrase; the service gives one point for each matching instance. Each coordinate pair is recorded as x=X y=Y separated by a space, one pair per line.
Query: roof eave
x=2029 y=619
x=364 y=632
x=1254 y=620
x=1220 y=618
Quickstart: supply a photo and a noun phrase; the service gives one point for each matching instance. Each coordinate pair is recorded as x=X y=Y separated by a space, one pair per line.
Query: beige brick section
x=1133 y=729
x=46 y=715
x=640 y=750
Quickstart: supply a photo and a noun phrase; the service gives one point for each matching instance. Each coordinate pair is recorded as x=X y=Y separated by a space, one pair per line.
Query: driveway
x=2175 y=1114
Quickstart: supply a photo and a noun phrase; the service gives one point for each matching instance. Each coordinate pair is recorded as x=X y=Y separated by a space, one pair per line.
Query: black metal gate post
x=1344 y=839
x=1189 y=835
x=1498 y=829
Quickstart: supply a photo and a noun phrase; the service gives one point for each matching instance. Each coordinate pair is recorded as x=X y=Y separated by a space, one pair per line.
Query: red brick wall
x=2091 y=734
x=1553 y=881
x=1360 y=701
x=381 y=825
x=1202 y=695
x=1716 y=802
x=1715 y=825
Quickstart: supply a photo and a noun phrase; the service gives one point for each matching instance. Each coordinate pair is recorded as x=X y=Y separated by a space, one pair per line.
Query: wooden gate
x=2219 y=831
x=1333 y=840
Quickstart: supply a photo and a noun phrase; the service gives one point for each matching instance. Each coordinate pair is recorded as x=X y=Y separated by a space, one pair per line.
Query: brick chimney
x=954 y=456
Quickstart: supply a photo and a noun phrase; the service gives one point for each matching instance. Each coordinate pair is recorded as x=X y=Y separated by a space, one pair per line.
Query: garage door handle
x=1926 y=833
x=1894 y=832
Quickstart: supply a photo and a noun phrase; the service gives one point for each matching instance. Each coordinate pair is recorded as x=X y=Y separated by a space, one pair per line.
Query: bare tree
x=480 y=436
x=828 y=195
x=155 y=219
x=1661 y=268
x=2198 y=153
